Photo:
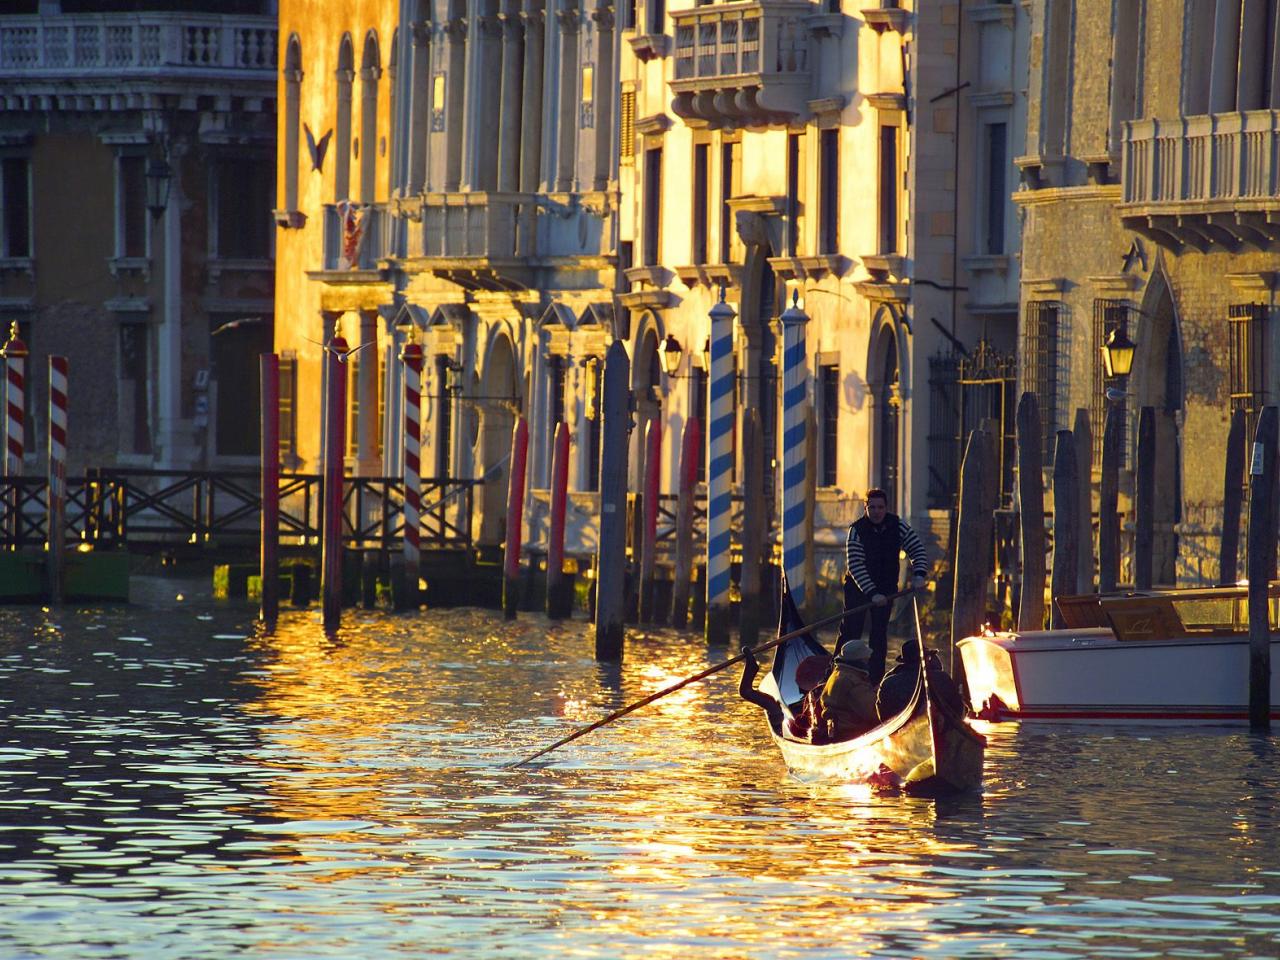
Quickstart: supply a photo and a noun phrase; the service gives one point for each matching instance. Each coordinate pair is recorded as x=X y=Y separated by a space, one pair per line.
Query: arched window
x=288 y=196
x=342 y=132
x=370 y=74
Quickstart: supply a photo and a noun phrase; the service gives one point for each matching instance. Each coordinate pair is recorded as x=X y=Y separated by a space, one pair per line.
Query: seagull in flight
x=341 y=355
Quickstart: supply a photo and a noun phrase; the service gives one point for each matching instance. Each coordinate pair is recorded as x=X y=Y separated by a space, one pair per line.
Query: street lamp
x=670 y=354
x=159 y=178
x=1117 y=353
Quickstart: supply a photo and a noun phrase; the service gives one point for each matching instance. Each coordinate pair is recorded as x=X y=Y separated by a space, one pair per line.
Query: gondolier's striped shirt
x=908 y=542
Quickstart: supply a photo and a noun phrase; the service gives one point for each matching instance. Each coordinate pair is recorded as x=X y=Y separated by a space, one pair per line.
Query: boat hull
x=1088 y=676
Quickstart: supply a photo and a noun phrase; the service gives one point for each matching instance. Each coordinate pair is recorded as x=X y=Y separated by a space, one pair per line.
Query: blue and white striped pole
x=795 y=409
x=720 y=414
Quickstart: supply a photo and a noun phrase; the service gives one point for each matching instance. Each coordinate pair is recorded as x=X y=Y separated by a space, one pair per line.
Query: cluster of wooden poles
x=1072 y=528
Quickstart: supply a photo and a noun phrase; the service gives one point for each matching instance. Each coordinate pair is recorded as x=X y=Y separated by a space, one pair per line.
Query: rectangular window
x=587 y=104
x=829 y=187
x=135 y=430
x=1248 y=355
x=353 y=403
x=288 y=407
x=700 y=174
x=657 y=16
x=828 y=430
x=242 y=220
x=629 y=15
x=997 y=162
x=382 y=403
x=888 y=189
x=1044 y=366
x=652 y=206
x=1108 y=315
x=15 y=207
x=131 y=200
x=730 y=185
x=795 y=177
x=627 y=128
x=559 y=371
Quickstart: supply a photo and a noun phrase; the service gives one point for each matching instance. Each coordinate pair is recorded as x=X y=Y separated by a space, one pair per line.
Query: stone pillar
x=512 y=105
x=531 y=106
x=368 y=463
x=1252 y=84
x=369 y=77
x=342 y=137
x=420 y=106
x=604 y=96
x=1273 y=68
x=454 y=100
x=1226 y=52
x=484 y=84
x=567 y=119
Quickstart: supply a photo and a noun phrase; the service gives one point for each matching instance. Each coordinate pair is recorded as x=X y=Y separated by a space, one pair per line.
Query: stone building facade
x=104 y=115
x=1149 y=203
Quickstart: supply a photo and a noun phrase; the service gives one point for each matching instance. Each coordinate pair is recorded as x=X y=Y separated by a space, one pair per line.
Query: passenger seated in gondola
x=900 y=683
x=849 y=697
x=807 y=721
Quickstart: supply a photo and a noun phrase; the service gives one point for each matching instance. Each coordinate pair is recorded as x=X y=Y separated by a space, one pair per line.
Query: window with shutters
x=289 y=408
x=627 y=128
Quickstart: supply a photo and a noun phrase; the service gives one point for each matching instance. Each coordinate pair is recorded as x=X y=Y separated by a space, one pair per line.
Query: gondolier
x=872 y=551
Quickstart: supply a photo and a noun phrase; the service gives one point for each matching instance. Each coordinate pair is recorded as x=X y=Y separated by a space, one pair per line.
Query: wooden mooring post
x=1031 y=513
x=690 y=443
x=753 y=527
x=559 y=587
x=611 y=560
x=1232 y=501
x=649 y=526
x=1082 y=434
x=975 y=531
x=1109 y=500
x=515 y=519
x=335 y=442
x=269 y=535
x=1066 y=527
x=1261 y=566
x=1145 y=501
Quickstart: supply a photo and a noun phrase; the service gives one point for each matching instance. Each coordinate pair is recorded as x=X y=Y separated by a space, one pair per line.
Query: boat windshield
x=1191 y=613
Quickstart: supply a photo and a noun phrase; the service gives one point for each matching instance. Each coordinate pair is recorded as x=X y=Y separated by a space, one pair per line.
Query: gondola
x=926 y=750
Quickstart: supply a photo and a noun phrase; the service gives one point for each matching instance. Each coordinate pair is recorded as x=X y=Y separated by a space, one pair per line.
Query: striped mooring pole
x=795 y=408
x=15 y=361
x=411 y=356
x=57 y=475
x=720 y=414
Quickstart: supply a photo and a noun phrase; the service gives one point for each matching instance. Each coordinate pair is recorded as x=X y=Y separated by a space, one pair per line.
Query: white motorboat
x=1174 y=657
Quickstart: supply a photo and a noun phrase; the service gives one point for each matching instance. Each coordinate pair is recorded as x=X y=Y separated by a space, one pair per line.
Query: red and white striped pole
x=515 y=519
x=57 y=476
x=412 y=357
x=334 y=452
x=15 y=357
x=559 y=591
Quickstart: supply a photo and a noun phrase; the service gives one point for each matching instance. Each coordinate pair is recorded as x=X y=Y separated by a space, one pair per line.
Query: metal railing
x=173 y=508
x=93 y=45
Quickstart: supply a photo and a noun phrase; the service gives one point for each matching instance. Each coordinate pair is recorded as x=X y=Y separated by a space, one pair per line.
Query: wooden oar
x=825 y=622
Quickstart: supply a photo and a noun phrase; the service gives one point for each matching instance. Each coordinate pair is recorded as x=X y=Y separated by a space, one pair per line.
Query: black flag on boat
x=790 y=654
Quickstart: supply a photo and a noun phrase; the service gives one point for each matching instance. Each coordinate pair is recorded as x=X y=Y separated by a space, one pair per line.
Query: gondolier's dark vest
x=881 y=547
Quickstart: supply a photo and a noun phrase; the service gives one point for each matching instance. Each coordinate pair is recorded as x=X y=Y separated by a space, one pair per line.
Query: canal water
x=174 y=785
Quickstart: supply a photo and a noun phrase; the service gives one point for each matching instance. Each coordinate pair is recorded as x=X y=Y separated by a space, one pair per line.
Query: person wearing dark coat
x=872 y=553
x=900 y=683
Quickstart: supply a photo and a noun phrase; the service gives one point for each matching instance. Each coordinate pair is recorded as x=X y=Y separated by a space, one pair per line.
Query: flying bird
x=341 y=355
x=317 y=150
x=233 y=324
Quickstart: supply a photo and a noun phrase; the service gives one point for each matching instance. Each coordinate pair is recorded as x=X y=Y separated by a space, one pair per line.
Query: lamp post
x=670 y=354
x=1117 y=354
x=159 y=178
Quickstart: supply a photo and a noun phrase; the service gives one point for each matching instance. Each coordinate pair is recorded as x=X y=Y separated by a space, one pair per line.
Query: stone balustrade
x=473 y=226
x=1203 y=181
x=96 y=45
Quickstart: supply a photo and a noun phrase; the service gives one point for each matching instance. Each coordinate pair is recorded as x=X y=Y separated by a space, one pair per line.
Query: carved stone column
x=342 y=137
x=1226 y=52
x=509 y=127
x=454 y=101
x=604 y=96
x=485 y=105
x=531 y=107
x=420 y=106
x=566 y=153
x=369 y=77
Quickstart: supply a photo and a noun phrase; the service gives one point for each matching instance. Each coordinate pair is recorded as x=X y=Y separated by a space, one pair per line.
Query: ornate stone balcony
x=743 y=64
x=486 y=240
x=356 y=236
x=119 y=45
x=1205 y=181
